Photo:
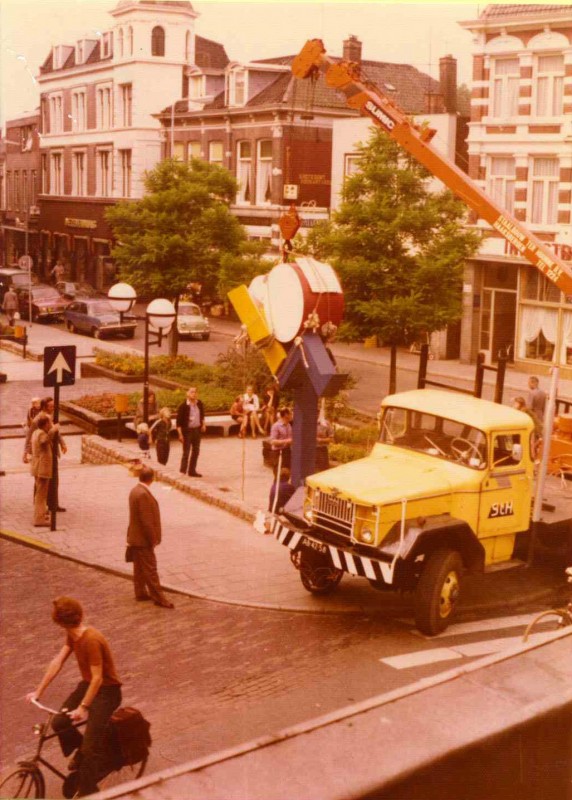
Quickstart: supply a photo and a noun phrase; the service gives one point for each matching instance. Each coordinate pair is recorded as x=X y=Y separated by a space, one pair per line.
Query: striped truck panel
x=348 y=562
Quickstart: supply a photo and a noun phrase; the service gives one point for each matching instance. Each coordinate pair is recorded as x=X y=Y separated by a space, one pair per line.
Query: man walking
x=10 y=305
x=143 y=536
x=536 y=399
x=42 y=466
x=94 y=699
x=190 y=425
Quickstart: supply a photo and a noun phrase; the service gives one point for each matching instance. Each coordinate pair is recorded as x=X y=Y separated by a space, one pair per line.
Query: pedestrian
x=251 y=406
x=269 y=407
x=520 y=404
x=10 y=305
x=536 y=398
x=237 y=414
x=58 y=271
x=281 y=491
x=281 y=437
x=33 y=411
x=190 y=426
x=152 y=413
x=47 y=407
x=160 y=433
x=42 y=466
x=143 y=536
x=143 y=439
x=93 y=700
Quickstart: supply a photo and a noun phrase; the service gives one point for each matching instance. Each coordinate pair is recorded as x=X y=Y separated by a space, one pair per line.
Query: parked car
x=97 y=317
x=71 y=290
x=14 y=277
x=191 y=323
x=46 y=302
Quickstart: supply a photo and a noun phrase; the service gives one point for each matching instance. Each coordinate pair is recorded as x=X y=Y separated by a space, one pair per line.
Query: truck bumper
x=343 y=558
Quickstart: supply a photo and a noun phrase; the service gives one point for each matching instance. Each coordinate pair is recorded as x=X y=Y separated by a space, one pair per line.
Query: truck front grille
x=333 y=513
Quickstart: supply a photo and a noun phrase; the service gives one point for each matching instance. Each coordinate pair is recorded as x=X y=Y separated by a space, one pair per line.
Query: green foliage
x=180 y=229
x=366 y=435
x=398 y=248
x=343 y=453
x=243 y=366
x=241 y=267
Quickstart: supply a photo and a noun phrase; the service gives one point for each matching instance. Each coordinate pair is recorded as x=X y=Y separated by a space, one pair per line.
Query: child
x=143 y=439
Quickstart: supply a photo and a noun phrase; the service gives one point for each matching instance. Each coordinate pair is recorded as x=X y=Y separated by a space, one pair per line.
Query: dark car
x=15 y=278
x=46 y=302
x=98 y=318
x=70 y=290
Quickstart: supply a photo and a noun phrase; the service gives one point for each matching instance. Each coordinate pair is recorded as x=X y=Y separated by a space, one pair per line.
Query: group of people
x=43 y=437
x=249 y=412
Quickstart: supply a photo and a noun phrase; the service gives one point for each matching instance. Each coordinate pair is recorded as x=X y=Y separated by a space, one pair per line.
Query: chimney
x=434 y=103
x=448 y=82
x=352 y=49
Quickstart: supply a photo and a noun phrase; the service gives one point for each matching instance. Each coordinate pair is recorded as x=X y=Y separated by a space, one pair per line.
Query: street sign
x=25 y=262
x=59 y=365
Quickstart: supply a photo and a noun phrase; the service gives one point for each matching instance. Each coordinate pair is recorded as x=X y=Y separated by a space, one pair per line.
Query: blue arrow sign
x=59 y=365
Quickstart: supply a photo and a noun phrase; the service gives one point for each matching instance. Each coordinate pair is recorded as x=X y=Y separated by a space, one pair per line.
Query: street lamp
x=159 y=316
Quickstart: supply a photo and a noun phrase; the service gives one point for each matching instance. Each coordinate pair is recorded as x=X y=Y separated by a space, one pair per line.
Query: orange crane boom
x=370 y=101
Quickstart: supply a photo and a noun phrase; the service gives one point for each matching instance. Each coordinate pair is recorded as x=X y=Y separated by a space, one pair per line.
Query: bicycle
x=27 y=780
x=563 y=615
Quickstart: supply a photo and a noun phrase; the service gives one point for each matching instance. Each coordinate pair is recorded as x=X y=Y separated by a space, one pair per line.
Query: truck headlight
x=309 y=515
x=366 y=536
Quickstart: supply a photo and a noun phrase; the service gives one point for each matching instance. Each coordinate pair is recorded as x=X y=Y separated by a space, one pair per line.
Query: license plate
x=321 y=548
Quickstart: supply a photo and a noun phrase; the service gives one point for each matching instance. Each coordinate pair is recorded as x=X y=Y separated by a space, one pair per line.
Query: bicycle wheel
x=25 y=781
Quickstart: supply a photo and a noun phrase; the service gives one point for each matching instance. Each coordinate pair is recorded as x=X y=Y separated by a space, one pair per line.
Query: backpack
x=131 y=737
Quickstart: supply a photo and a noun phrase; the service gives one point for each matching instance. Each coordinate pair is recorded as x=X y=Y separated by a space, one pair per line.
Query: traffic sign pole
x=55 y=450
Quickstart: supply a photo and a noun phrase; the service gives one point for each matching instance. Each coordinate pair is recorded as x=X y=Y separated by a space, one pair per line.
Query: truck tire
x=438 y=591
x=319 y=578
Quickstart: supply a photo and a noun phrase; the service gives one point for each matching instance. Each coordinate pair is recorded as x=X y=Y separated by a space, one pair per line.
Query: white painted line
x=408 y=660
x=480 y=625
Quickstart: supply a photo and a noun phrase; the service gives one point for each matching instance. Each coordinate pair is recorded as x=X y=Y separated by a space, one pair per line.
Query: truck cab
x=447 y=488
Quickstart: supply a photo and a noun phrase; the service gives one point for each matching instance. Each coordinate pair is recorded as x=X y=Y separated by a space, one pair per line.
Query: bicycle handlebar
x=44 y=708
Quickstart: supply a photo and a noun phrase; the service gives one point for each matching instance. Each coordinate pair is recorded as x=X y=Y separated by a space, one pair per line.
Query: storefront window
x=539 y=327
x=500 y=276
x=537 y=287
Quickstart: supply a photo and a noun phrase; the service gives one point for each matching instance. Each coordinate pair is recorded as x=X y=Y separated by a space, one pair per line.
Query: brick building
x=519 y=152
x=274 y=132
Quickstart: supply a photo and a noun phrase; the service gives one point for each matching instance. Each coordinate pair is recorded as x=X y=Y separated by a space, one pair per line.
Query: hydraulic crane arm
x=369 y=100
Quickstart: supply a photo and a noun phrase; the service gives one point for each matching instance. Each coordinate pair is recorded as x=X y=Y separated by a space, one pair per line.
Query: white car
x=191 y=323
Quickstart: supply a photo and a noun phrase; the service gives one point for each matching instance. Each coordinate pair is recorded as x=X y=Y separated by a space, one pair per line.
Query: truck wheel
x=438 y=591
x=319 y=579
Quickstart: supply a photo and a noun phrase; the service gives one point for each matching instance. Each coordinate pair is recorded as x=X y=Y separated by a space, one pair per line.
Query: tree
x=398 y=249
x=178 y=232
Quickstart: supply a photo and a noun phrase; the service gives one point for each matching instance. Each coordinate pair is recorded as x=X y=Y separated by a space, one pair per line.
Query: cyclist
x=94 y=699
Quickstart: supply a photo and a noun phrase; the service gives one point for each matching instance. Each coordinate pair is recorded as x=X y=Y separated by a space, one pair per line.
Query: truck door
x=505 y=495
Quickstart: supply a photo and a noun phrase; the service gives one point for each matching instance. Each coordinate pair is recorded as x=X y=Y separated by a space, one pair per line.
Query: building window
x=188 y=51
x=567 y=338
x=78 y=110
x=26 y=203
x=178 y=151
x=536 y=286
x=2 y=199
x=543 y=191
x=244 y=157
x=549 y=85
x=352 y=164
x=16 y=190
x=27 y=138
x=125 y=156
x=130 y=41
x=106 y=44
x=237 y=88
x=45 y=187
x=103 y=173
x=56 y=174
x=215 y=153
x=9 y=191
x=34 y=188
x=126 y=98
x=158 y=41
x=506 y=76
x=56 y=113
x=120 y=42
x=103 y=111
x=196 y=83
x=501 y=178
x=80 y=52
x=539 y=328
x=194 y=150
x=79 y=179
x=264 y=172
x=45 y=113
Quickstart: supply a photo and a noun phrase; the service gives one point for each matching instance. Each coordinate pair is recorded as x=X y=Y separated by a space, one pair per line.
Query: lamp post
x=159 y=316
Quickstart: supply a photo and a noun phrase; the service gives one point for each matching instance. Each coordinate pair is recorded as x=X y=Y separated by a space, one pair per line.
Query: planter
x=91 y=422
x=93 y=370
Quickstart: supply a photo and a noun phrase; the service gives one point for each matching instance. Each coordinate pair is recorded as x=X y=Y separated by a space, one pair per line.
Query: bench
x=222 y=422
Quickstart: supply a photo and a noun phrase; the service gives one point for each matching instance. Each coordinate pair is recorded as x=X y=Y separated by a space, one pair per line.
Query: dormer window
x=196 y=86
x=158 y=41
x=58 y=57
x=106 y=44
x=237 y=88
x=80 y=53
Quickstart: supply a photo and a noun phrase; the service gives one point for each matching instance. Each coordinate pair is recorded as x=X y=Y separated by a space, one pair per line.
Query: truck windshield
x=434 y=436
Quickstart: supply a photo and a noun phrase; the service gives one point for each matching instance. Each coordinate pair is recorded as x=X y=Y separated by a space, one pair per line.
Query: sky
x=412 y=33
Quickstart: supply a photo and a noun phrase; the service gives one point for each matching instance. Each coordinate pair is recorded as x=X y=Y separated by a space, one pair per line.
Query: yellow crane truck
x=447 y=489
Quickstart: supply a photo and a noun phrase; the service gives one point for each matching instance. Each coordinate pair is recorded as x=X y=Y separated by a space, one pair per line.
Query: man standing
x=281 y=438
x=47 y=408
x=10 y=305
x=143 y=536
x=190 y=425
x=94 y=699
x=536 y=399
x=42 y=466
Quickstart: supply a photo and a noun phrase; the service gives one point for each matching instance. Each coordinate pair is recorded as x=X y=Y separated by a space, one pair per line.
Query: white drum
x=296 y=290
x=258 y=290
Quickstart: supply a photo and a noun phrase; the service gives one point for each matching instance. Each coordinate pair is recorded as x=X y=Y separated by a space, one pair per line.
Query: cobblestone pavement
x=208 y=676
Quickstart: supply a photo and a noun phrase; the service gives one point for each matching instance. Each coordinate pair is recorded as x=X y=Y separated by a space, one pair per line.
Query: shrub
x=365 y=436
x=343 y=453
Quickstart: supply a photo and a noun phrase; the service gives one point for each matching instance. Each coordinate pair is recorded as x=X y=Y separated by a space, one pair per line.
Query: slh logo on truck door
x=501 y=510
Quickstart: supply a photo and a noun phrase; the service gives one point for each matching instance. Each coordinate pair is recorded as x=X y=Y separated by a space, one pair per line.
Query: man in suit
x=143 y=535
x=42 y=466
x=190 y=425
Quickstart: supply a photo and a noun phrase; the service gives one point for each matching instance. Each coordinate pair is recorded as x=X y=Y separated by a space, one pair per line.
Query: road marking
x=422 y=657
x=28 y=539
x=478 y=626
